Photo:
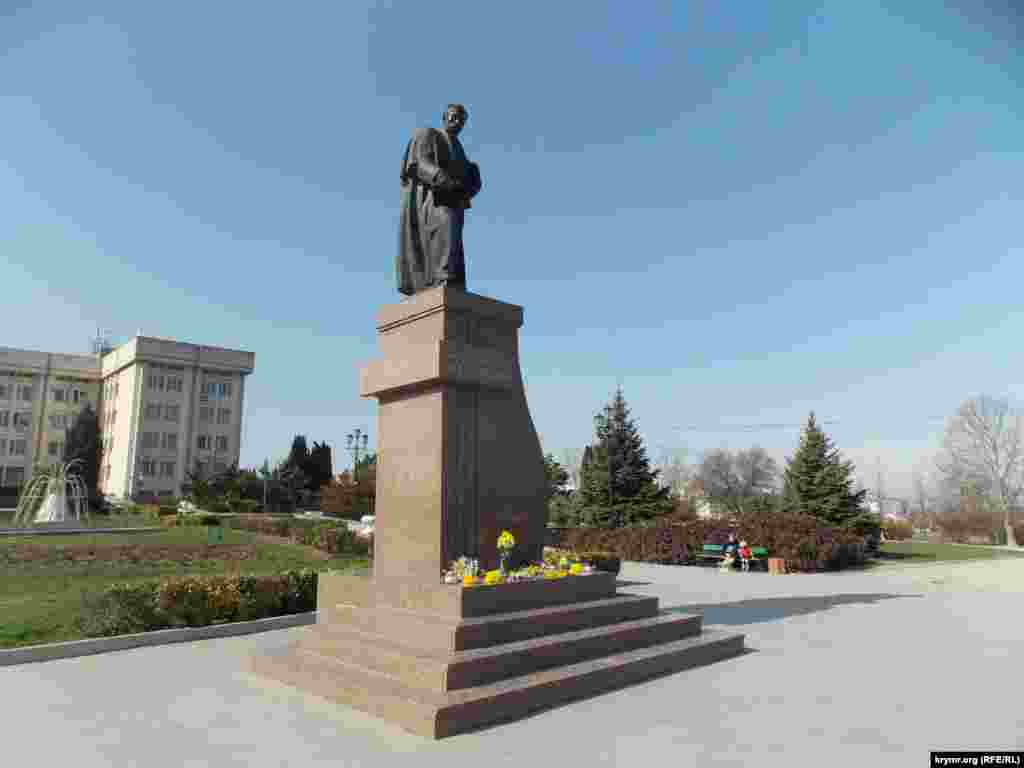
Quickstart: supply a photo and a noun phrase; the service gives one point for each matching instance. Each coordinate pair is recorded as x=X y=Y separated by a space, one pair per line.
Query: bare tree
x=880 y=486
x=731 y=478
x=984 y=445
x=921 y=497
x=675 y=472
x=572 y=461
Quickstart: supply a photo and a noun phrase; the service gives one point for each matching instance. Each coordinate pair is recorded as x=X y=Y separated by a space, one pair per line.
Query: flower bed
x=557 y=564
x=195 y=601
x=126 y=553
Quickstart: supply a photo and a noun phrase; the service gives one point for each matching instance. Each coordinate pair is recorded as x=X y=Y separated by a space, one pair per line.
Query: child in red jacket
x=745 y=555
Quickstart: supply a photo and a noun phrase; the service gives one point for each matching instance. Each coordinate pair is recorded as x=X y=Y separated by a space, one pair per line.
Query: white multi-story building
x=162 y=405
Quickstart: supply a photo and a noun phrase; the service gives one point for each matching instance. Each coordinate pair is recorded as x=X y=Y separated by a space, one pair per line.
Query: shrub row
x=330 y=537
x=793 y=537
x=898 y=530
x=195 y=601
x=188 y=521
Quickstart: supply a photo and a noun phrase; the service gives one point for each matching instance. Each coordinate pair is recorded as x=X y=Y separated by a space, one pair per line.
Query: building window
x=205 y=413
x=18 y=447
x=5 y=418
x=152 y=410
x=79 y=396
x=172 y=412
x=59 y=420
x=223 y=415
x=5 y=391
x=54 y=448
x=166 y=469
x=25 y=392
x=147 y=467
x=150 y=439
x=3 y=446
x=170 y=441
x=174 y=383
x=22 y=420
x=60 y=395
x=15 y=476
x=204 y=442
x=222 y=443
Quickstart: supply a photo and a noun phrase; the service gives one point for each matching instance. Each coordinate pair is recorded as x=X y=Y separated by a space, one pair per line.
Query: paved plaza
x=847 y=669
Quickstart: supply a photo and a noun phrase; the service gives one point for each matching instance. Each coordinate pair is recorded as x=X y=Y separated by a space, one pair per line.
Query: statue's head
x=454 y=118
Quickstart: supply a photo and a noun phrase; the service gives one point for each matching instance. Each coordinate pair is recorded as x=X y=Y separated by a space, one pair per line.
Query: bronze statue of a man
x=438 y=182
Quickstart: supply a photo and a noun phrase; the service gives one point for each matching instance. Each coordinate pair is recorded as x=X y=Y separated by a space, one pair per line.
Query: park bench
x=716 y=552
x=711 y=552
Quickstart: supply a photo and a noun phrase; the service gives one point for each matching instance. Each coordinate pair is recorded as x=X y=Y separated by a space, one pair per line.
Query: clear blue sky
x=739 y=211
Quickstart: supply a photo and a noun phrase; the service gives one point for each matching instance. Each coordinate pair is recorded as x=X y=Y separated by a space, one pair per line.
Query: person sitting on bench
x=727 y=562
x=731 y=546
x=745 y=555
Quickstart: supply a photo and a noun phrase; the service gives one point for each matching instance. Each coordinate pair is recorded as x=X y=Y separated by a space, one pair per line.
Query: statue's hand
x=448 y=183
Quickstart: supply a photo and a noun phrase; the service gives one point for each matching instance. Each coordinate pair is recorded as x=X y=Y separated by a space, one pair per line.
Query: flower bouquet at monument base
x=556 y=565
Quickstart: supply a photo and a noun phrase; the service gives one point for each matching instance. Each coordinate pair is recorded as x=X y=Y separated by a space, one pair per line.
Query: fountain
x=50 y=495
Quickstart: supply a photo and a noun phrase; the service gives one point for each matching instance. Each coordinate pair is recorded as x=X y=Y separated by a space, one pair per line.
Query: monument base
x=447 y=660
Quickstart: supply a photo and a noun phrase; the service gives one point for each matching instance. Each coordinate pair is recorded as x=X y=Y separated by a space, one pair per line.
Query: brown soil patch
x=129 y=553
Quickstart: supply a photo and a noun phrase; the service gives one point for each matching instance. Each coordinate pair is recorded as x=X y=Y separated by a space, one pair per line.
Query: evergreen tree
x=820 y=484
x=558 y=478
x=82 y=441
x=298 y=457
x=618 y=486
x=319 y=467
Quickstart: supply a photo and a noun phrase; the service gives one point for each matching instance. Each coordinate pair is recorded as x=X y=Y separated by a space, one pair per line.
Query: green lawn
x=923 y=552
x=94 y=521
x=40 y=601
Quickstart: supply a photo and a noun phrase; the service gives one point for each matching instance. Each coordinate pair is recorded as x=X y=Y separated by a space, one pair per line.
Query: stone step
x=437 y=715
x=431 y=633
x=463 y=669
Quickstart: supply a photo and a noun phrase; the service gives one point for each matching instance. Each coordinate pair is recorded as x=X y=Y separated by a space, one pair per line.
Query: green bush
x=121 y=609
x=195 y=601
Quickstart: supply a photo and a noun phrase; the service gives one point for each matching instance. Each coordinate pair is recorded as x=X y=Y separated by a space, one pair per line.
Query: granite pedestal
x=458 y=462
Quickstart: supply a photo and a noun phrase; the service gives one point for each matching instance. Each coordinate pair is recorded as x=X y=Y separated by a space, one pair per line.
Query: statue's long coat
x=430 y=232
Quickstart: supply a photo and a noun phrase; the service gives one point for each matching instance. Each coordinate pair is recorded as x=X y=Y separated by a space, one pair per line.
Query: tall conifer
x=819 y=483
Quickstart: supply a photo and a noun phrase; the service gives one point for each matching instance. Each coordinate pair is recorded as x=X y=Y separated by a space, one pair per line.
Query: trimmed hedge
x=898 y=530
x=190 y=520
x=195 y=601
x=332 y=537
x=793 y=537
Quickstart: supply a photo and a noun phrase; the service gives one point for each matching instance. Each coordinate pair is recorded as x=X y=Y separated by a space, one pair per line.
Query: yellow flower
x=506 y=540
x=493 y=577
x=468 y=581
x=575 y=569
